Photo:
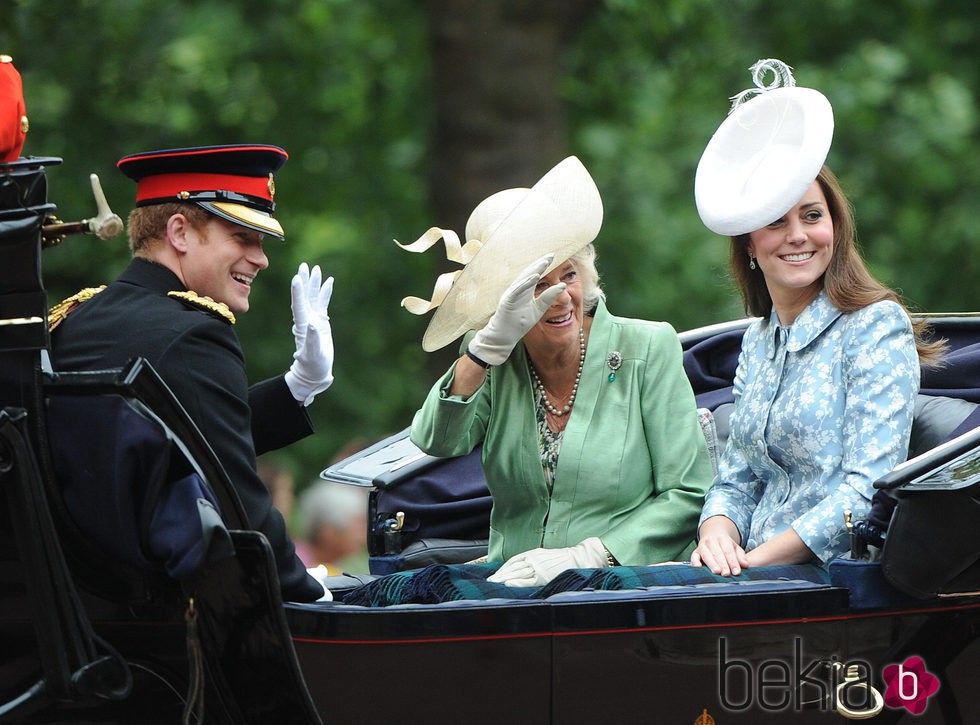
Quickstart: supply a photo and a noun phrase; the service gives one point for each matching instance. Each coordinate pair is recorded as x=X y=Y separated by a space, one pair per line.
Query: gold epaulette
x=59 y=312
x=205 y=303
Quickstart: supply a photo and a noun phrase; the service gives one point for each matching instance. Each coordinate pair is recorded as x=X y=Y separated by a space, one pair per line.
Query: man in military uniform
x=196 y=234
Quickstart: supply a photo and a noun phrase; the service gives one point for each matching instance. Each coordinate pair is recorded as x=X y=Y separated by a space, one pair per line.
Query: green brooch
x=614 y=361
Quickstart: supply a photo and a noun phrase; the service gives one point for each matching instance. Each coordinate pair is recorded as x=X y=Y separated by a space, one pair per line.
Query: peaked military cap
x=234 y=182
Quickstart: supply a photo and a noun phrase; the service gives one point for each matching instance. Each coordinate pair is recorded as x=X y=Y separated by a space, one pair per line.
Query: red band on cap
x=170 y=185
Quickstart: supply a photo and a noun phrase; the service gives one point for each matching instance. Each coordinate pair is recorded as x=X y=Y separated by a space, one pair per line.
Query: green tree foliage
x=648 y=83
x=346 y=87
x=340 y=84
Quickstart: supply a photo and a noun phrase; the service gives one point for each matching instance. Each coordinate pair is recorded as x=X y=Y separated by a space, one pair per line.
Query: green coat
x=633 y=466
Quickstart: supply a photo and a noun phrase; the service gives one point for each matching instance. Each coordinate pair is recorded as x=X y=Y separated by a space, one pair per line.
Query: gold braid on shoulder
x=60 y=311
x=205 y=303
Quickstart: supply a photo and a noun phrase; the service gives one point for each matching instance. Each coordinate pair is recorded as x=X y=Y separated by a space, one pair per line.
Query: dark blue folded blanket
x=447 y=583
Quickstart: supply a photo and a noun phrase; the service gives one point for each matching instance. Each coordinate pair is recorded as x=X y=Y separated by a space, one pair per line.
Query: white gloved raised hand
x=517 y=312
x=312 y=370
x=537 y=567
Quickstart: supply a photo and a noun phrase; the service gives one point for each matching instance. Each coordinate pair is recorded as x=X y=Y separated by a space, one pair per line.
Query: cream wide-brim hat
x=561 y=214
x=763 y=158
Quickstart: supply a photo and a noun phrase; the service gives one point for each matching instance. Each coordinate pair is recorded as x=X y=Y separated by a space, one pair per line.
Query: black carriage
x=91 y=633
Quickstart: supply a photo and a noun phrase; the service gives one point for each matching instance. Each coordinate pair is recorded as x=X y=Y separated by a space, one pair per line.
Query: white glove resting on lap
x=517 y=312
x=321 y=574
x=312 y=370
x=537 y=567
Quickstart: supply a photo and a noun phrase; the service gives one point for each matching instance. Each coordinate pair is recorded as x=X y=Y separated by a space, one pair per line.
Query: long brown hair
x=847 y=281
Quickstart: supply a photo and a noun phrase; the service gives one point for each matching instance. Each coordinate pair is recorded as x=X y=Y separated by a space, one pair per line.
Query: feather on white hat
x=765 y=154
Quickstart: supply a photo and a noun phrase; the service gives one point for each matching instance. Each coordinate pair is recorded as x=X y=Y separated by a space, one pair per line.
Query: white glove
x=320 y=573
x=537 y=567
x=517 y=312
x=312 y=370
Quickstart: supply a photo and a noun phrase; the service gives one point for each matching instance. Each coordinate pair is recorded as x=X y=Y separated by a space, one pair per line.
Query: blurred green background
x=401 y=115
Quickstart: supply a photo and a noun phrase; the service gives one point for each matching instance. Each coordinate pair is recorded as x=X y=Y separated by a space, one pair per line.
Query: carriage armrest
x=385 y=464
x=424 y=552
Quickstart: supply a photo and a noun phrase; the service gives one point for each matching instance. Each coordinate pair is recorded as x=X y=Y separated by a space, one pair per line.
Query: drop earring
x=751 y=262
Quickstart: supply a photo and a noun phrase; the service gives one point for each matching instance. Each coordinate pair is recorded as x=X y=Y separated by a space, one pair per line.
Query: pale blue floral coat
x=822 y=409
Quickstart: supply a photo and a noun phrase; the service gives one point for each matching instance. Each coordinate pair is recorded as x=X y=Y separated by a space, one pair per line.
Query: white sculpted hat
x=509 y=230
x=765 y=154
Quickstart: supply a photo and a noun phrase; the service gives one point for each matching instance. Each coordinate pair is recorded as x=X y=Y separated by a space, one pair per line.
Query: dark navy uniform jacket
x=198 y=355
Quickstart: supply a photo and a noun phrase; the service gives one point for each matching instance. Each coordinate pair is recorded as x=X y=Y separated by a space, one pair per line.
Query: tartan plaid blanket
x=434 y=584
x=447 y=583
x=642 y=577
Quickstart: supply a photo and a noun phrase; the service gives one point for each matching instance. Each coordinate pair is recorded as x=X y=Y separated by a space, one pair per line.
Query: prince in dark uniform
x=196 y=236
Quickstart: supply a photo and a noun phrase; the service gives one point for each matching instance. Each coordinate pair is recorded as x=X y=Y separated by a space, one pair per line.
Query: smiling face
x=794 y=252
x=559 y=326
x=220 y=260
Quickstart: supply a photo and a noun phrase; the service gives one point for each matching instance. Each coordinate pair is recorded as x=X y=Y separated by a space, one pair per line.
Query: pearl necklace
x=571 y=400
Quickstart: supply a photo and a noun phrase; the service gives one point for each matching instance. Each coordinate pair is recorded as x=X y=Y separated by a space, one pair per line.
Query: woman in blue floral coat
x=827 y=377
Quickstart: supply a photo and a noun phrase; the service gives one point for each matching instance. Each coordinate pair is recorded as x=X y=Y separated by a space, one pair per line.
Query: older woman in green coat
x=592 y=447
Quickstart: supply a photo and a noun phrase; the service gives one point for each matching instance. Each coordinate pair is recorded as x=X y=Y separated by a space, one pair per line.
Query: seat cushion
x=866 y=584
x=936 y=417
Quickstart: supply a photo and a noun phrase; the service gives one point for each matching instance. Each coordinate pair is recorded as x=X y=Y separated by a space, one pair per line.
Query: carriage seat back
x=129 y=489
x=135 y=488
x=935 y=419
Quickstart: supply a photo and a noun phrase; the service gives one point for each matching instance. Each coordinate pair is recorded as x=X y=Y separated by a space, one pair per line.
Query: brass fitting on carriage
x=866 y=539
x=859 y=549
x=846 y=687
x=856 y=689
x=106 y=224
x=391 y=531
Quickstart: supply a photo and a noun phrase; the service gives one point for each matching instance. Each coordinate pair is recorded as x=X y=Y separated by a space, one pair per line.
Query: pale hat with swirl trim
x=561 y=214
x=765 y=154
